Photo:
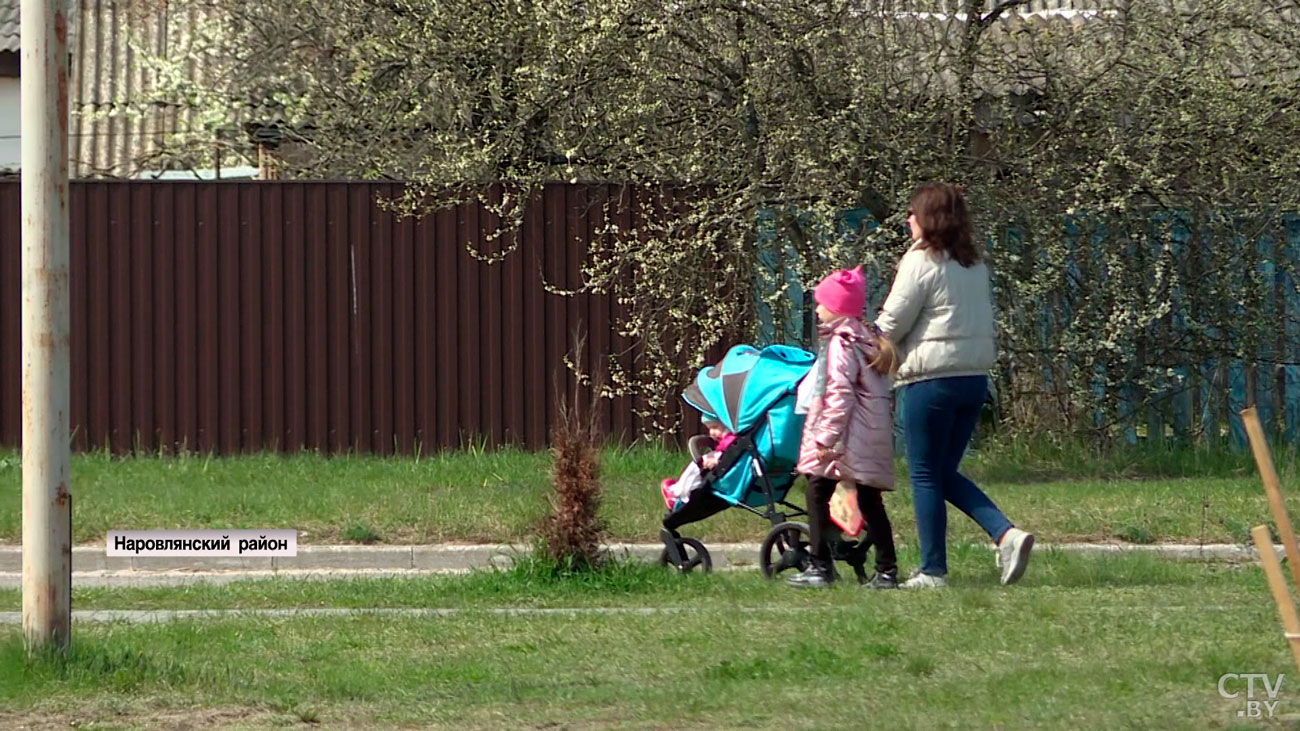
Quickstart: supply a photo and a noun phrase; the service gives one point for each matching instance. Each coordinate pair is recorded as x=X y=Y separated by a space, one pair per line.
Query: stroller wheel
x=694 y=554
x=786 y=547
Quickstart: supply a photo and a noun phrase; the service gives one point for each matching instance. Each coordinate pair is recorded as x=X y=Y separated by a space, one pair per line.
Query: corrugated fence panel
x=317 y=318
x=185 y=334
x=470 y=324
x=339 y=303
x=426 y=325
x=164 y=316
x=243 y=316
x=579 y=329
x=208 y=325
x=251 y=318
x=142 y=317
x=510 y=373
x=78 y=292
x=553 y=255
x=403 y=335
x=272 y=318
x=98 y=355
x=361 y=222
x=597 y=308
x=229 y=387
x=295 y=331
x=444 y=245
x=119 y=309
x=625 y=422
x=11 y=302
x=492 y=308
x=535 y=361
x=381 y=328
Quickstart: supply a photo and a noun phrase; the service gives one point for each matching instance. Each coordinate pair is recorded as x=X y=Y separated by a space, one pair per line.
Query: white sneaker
x=1013 y=554
x=919 y=580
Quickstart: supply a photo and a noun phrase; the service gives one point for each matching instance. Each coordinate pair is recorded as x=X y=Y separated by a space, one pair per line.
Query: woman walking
x=939 y=314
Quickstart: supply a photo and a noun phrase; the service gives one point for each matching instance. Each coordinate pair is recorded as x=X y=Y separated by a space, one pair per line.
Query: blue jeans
x=939 y=417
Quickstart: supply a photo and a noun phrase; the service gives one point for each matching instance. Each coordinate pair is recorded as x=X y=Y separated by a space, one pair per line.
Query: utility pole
x=47 y=501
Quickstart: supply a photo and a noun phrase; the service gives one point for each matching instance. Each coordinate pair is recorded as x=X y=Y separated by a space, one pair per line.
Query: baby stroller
x=752 y=393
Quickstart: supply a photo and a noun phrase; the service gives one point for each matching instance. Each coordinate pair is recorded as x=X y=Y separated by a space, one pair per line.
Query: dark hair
x=940 y=210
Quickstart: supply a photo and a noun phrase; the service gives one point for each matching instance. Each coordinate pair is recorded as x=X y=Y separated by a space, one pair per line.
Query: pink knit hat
x=843 y=292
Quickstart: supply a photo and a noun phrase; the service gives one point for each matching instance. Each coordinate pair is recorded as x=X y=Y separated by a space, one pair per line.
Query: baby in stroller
x=706 y=452
x=747 y=400
x=685 y=501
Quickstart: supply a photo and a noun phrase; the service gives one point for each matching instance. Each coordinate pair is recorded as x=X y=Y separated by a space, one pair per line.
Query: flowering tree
x=1130 y=164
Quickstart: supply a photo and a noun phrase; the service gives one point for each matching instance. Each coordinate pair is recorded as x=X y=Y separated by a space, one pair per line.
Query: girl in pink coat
x=848 y=430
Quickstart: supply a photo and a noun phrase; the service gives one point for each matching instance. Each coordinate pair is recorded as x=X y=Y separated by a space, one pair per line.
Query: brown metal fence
x=243 y=316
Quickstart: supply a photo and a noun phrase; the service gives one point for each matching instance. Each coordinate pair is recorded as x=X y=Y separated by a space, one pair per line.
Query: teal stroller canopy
x=751 y=392
x=738 y=391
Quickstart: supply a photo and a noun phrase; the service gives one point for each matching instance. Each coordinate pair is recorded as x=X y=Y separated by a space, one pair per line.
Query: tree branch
x=997 y=12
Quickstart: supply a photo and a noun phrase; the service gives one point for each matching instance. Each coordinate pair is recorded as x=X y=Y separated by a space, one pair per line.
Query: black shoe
x=815 y=577
x=883 y=580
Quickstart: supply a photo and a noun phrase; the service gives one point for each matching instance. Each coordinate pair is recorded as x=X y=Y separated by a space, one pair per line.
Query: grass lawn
x=1083 y=642
x=477 y=496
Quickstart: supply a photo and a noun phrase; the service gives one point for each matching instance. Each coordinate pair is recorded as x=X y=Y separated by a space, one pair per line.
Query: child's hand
x=710 y=460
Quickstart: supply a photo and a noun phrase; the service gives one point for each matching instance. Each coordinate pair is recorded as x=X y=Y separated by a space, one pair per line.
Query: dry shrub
x=571 y=536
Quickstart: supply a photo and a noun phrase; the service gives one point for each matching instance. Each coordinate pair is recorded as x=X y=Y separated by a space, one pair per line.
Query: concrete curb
x=462 y=557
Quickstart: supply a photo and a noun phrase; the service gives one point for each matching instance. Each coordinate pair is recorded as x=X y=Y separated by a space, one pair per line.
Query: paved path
x=92 y=568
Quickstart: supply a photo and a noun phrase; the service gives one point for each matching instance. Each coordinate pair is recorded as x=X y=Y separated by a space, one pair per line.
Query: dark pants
x=702 y=504
x=821 y=530
x=939 y=417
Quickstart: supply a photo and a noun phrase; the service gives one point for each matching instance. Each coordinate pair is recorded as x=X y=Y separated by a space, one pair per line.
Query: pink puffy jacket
x=853 y=416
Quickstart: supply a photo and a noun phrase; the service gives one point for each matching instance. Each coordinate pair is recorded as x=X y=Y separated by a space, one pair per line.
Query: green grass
x=1101 y=642
x=360 y=533
x=1060 y=492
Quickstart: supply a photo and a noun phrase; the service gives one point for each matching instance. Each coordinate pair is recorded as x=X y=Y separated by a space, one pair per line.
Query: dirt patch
x=148 y=720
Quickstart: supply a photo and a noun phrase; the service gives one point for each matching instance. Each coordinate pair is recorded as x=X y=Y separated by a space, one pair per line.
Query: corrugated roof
x=9 y=25
x=112 y=132
x=9 y=18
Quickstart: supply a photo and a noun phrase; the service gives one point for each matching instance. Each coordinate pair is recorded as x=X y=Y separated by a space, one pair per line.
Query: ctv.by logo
x=1254 y=708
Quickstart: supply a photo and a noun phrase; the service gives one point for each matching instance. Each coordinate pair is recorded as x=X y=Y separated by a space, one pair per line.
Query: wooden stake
x=1273 y=488
x=1277 y=584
